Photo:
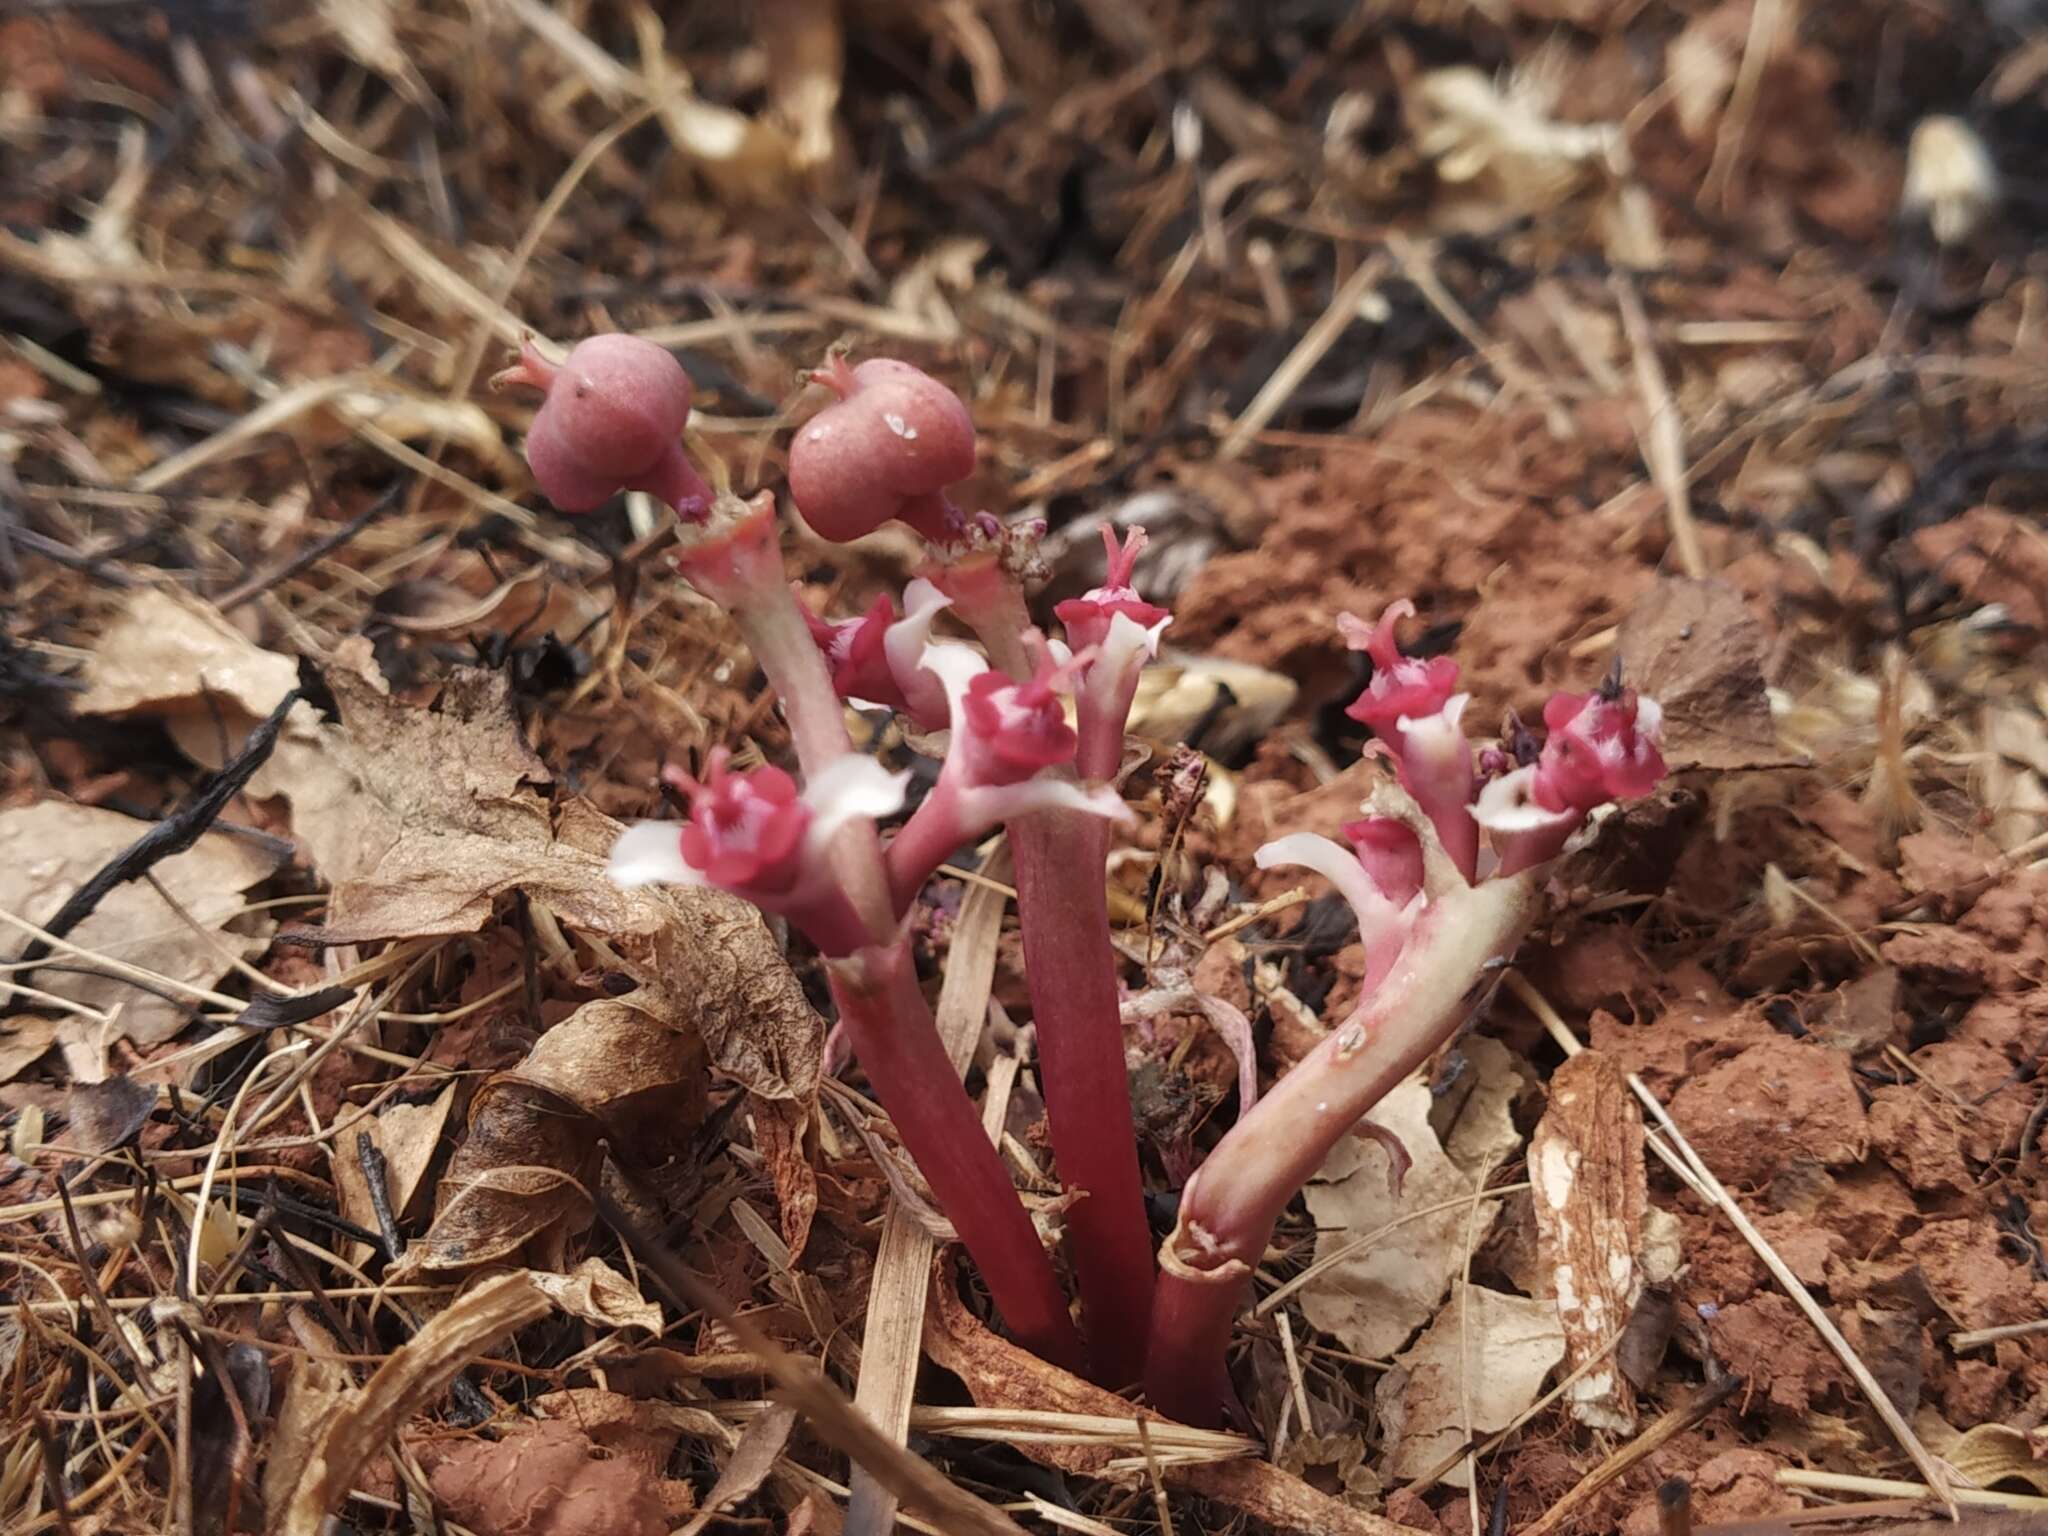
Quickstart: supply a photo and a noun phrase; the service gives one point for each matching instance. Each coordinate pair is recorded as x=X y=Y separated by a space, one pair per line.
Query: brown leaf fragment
x=522 y=1176
x=109 y=1114
x=408 y=1135
x=1991 y=556
x=760 y=1447
x=408 y=1381
x=424 y=818
x=998 y=1374
x=318 y=1385
x=168 y=653
x=1586 y=1166
x=1693 y=646
x=599 y=1294
x=779 y=1126
x=547 y=1479
x=1378 y=1293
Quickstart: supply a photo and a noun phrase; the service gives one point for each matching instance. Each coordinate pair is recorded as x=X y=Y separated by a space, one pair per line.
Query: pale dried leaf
x=611 y=1071
x=424 y=818
x=1374 y=1299
x=168 y=653
x=806 y=61
x=48 y=850
x=1990 y=1454
x=759 y=1448
x=599 y=1294
x=408 y=1381
x=318 y=1385
x=1586 y=1163
x=408 y=1135
x=367 y=30
x=779 y=1126
x=1485 y=1349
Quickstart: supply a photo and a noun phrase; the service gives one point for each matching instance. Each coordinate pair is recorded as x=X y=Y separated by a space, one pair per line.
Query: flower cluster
x=1442 y=874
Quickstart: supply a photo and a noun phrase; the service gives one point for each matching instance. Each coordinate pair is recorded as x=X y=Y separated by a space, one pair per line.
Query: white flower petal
x=1508 y=807
x=955 y=666
x=650 y=853
x=852 y=786
x=1328 y=858
x=1435 y=749
x=1129 y=641
x=991 y=805
x=1649 y=718
x=904 y=642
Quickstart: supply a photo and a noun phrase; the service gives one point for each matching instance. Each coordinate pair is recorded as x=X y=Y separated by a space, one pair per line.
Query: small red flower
x=1602 y=746
x=1089 y=616
x=1019 y=728
x=1402 y=686
x=857 y=652
x=744 y=829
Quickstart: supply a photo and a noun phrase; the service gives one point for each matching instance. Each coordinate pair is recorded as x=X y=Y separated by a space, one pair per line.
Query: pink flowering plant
x=1443 y=873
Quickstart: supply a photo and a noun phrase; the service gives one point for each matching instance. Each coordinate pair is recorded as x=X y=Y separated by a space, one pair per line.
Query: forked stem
x=1231 y=1205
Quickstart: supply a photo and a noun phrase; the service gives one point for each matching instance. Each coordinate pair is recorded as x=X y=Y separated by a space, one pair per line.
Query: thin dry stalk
x=1664 y=439
x=1314 y=345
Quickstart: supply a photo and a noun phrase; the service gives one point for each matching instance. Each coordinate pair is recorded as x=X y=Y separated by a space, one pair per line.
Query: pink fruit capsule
x=612 y=421
x=894 y=439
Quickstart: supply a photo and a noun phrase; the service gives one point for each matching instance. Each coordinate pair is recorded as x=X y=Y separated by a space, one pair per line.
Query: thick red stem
x=1063 y=910
x=1229 y=1208
x=1070 y=970
x=899 y=1047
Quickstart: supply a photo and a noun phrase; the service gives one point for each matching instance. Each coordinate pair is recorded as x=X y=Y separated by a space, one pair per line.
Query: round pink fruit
x=894 y=439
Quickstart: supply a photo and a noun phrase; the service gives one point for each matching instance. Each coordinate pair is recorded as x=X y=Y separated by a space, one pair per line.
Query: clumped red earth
x=1653 y=370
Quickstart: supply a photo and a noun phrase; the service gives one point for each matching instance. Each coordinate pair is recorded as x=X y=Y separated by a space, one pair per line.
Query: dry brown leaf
x=1486 y=1350
x=1990 y=1454
x=423 y=818
x=599 y=1294
x=23 y=1043
x=1374 y=1299
x=108 y=1114
x=48 y=850
x=779 y=1126
x=1586 y=1163
x=523 y=1175
x=806 y=61
x=408 y=1135
x=408 y=1381
x=314 y=1392
x=547 y=1479
x=998 y=1374
x=168 y=653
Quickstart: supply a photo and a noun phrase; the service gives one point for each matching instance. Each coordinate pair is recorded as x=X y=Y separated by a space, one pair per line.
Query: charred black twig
x=377 y=1174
